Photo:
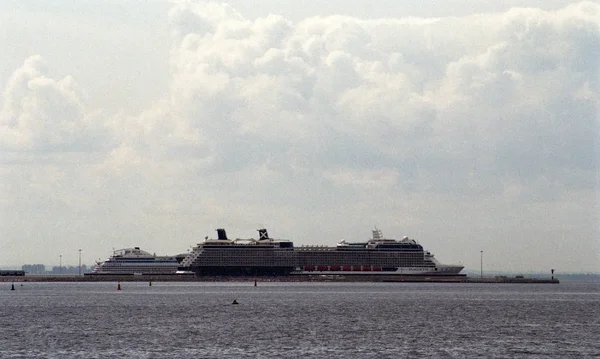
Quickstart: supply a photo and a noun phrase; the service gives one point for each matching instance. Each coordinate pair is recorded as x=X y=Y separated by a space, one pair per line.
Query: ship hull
x=407 y=271
x=134 y=269
x=236 y=271
x=134 y=261
x=227 y=262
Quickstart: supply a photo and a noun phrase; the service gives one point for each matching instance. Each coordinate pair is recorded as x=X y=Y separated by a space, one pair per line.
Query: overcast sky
x=465 y=125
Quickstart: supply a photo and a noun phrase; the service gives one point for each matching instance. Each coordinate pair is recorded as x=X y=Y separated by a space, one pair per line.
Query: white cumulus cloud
x=454 y=125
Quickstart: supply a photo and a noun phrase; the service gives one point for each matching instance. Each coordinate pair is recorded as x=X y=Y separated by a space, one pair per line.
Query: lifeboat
x=335 y=268
x=309 y=268
x=346 y=268
x=366 y=268
x=322 y=268
x=378 y=269
x=356 y=268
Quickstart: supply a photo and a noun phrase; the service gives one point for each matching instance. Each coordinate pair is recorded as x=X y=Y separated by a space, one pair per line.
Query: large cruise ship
x=378 y=255
x=267 y=256
x=224 y=256
x=134 y=261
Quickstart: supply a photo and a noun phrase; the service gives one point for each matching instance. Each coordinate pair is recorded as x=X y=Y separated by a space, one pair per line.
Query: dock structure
x=517 y=279
x=286 y=278
x=433 y=279
x=12 y=273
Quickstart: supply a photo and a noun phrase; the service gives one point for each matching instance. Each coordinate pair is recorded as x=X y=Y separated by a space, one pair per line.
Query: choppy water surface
x=299 y=320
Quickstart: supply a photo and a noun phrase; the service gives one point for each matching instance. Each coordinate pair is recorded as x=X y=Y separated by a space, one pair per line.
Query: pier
x=288 y=278
x=12 y=273
x=434 y=279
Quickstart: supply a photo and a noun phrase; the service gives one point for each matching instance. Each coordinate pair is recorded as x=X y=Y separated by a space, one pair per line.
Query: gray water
x=300 y=320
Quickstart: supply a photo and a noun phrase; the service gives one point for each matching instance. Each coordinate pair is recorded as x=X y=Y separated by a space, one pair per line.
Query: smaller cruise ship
x=134 y=261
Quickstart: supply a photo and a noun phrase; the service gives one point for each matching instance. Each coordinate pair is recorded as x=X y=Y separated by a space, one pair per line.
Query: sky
x=469 y=126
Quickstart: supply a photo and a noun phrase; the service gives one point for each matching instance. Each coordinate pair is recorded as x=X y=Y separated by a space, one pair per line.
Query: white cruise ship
x=378 y=255
x=134 y=261
x=267 y=256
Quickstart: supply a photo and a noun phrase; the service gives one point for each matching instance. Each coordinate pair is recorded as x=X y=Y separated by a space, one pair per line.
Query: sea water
x=299 y=320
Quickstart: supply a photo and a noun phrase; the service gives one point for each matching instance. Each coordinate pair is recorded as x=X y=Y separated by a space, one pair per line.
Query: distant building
x=34 y=268
x=70 y=269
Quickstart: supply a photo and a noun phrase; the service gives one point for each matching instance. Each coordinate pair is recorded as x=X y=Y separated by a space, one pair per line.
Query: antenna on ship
x=377 y=233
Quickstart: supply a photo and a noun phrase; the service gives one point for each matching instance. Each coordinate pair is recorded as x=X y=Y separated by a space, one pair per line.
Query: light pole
x=60 y=265
x=80 y=262
x=481 y=264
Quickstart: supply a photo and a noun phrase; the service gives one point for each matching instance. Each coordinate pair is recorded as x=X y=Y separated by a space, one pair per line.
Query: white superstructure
x=134 y=261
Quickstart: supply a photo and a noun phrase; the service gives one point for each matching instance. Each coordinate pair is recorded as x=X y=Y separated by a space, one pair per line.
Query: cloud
x=347 y=88
x=42 y=114
x=267 y=118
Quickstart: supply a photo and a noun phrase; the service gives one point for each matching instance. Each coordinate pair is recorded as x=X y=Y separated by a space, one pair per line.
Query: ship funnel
x=221 y=234
x=262 y=234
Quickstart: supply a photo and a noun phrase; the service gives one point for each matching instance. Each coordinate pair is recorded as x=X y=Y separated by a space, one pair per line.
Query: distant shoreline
x=290 y=278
